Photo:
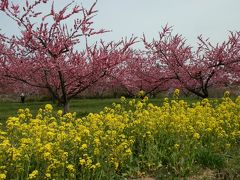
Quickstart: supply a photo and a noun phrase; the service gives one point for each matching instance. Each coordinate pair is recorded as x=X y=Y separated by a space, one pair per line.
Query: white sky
x=212 y=18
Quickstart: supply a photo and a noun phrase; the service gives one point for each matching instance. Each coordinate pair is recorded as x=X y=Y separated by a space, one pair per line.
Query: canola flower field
x=131 y=139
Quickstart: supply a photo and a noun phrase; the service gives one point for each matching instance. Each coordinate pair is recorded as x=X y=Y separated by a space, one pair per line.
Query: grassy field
x=81 y=106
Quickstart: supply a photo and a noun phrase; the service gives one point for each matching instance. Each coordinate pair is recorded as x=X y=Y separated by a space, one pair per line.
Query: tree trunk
x=65 y=107
x=202 y=94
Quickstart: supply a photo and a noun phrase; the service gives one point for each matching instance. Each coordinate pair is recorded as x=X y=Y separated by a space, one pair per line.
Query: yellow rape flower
x=176 y=93
x=33 y=175
x=48 y=175
x=48 y=107
x=116 y=165
x=128 y=152
x=71 y=168
x=123 y=99
x=196 y=136
x=3 y=176
x=84 y=146
x=98 y=165
x=59 y=112
x=82 y=161
x=176 y=146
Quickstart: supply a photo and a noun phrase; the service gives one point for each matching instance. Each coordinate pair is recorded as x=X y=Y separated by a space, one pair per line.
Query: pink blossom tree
x=141 y=72
x=45 y=54
x=195 y=71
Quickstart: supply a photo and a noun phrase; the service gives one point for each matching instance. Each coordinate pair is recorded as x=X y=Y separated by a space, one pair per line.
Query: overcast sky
x=211 y=18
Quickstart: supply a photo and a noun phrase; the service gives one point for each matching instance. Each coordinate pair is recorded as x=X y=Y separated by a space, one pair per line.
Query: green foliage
x=207 y=158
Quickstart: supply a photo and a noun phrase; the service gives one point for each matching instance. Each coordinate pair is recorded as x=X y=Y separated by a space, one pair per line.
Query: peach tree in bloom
x=46 y=53
x=196 y=71
x=141 y=73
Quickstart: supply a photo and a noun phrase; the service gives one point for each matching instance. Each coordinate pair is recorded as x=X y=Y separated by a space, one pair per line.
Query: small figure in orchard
x=22 y=96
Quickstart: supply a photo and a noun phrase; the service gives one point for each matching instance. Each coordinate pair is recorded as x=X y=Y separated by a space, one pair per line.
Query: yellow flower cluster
x=134 y=133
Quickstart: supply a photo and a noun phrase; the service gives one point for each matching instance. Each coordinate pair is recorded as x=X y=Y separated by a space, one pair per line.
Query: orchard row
x=46 y=57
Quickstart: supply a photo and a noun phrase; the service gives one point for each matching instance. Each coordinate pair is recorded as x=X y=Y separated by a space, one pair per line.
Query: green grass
x=81 y=106
x=8 y=109
x=84 y=106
